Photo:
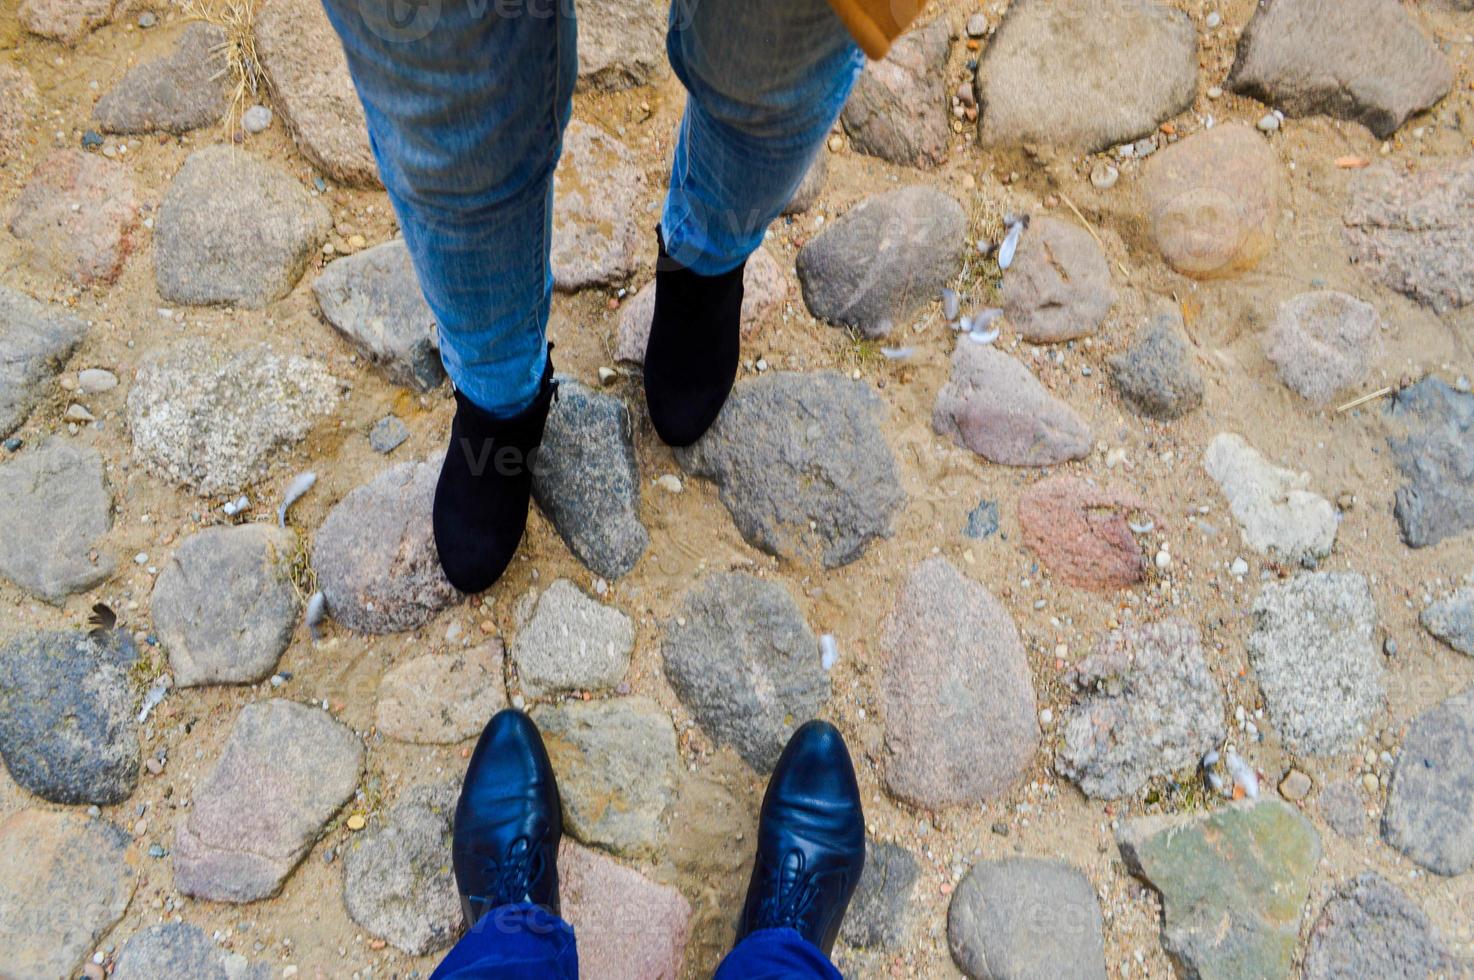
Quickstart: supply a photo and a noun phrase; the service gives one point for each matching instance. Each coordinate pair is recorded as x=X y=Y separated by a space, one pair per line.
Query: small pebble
x=1104 y=176
x=78 y=413
x=13 y=444
x=147 y=19
x=1369 y=782
x=1239 y=567
x=357 y=822
x=1270 y=123
x=670 y=483
x=93 y=380
x=1295 y=786
x=1213 y=19
x=388 y=434
x=91 y=139
x=977 y=25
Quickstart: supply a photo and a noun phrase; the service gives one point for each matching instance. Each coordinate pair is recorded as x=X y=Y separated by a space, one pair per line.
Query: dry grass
x=241 y=66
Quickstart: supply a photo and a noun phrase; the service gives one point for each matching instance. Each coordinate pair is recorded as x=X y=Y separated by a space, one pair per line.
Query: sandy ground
x=691 y=533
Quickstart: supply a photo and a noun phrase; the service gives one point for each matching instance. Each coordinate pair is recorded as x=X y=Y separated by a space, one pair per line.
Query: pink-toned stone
x=764 y=290
x=441 y=698
x=1213 y=201
x=1080 y=532
x=18 y=104
x=310 y=85
x=1324 y=342
x=77 y=214
x=629 y=927
x=995 y=407
x=65 y=880
x=67 y=21
x=958 y=699
x=285 y=771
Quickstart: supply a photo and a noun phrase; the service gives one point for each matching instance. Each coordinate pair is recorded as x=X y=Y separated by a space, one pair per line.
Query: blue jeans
x=524 y=942
x=466 y=102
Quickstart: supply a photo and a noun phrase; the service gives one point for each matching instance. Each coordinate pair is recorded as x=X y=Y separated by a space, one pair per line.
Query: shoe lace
x=510 y=877
x=794 y=894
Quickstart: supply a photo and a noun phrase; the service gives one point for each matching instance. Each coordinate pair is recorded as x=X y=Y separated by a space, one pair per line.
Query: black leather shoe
x=485 y=483
x=508 y=822
x=695 y=341
x=810 y=840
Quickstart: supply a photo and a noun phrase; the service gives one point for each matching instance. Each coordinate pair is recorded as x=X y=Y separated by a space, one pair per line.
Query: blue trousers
x=524 y=942
x=466 y=103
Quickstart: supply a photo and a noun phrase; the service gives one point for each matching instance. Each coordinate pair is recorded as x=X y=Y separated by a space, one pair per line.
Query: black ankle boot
x=508 y=822
x=810 y=840
x=695 y=341
x=485 y=484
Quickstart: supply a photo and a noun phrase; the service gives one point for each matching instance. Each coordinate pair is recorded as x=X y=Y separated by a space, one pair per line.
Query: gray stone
x=1151 y=708
x=55 y=506
x=373 y=299
x=621 y=43
x=285 y=770
x=883 y=259
x=882 y=903
x=388 y=434
x=67 y=21
x=1273 y=507
x=64 y=882
x=982 y=521
x=1214 y=200
x=1343 y=809
x=587 y=481
x=1061 y=73
x=442 y=698
x=1363 y=60
x=183 y=90
x=375 y=553
x=1233 y=884
x=76 y=217
x=38 y=341
x=744 y=663
x=1312 y=648
x=1452 y=620
x=898 y=108
x=211 y=419
x=801 y=464
x=596 y=238
x=308 y=76
x=67 y=726
x=397 y=878
x=955 y=667
x=617 y=767
x=810 y=187
x=1026 y=919
x=1156 y=374
x=234 y=229
x=1059 y=285
x=572 y=643
x=179 y=949
x=992 y=405
x=1371 y=929
x=1324 y=342
x=1434 y=449
x=764 y=291
x=224 y=606
x=1430 y=804
x=1414 y=232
